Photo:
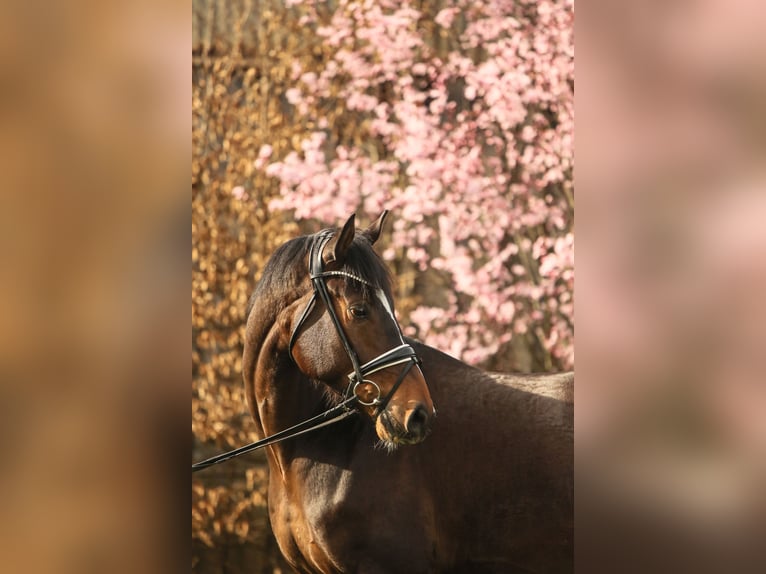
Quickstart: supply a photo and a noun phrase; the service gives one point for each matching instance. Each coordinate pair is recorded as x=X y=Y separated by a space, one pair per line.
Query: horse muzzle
x=414 y=429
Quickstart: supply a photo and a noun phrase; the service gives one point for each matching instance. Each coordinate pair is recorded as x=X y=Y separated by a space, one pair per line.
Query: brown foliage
x=235 y=109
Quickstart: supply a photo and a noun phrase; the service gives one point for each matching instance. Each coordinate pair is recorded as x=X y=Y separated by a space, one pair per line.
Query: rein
x=404 y=353
x=328 y=417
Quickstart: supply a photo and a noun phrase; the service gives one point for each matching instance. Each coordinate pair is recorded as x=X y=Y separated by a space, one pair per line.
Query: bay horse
x=444 y=468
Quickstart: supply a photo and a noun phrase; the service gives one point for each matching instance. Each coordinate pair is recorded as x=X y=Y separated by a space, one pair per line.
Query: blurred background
x=456 y=116
x=94 y=221
x=670 y=413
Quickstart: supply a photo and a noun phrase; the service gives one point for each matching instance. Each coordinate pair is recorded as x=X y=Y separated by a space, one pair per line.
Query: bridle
x=402 y=354
x=399 y=355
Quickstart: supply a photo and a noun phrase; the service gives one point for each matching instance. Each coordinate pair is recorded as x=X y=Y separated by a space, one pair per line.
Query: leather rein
x=402 y=354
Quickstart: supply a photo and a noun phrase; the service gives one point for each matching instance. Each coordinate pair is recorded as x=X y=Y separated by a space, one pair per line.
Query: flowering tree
x=460 y=119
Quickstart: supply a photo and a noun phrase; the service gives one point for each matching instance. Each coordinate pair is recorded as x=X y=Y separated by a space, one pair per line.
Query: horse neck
x=278 y=394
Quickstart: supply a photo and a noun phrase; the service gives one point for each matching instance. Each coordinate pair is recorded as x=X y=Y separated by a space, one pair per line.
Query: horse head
x=344 y=333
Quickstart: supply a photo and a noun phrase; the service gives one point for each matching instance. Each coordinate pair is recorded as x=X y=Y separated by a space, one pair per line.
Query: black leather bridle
x=402 y=354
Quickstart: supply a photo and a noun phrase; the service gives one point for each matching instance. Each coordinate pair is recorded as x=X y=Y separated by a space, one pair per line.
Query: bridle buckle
x=374 y=402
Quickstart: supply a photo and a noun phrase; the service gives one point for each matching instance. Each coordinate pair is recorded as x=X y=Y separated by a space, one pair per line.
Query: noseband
x=404 y=353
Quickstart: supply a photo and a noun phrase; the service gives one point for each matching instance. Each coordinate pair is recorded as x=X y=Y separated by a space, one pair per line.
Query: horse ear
x=373 y=231
x=338 y=246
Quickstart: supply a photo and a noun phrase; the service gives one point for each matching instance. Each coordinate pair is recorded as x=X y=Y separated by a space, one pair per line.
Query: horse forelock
x=362 y=260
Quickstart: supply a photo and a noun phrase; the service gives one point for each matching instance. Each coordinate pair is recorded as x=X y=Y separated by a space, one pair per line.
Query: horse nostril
x=417 y=422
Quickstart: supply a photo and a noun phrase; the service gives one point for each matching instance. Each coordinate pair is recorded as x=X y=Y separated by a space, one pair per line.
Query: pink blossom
x=475 y=181
x=263 y=155
x=293 y=95
x=445 y=17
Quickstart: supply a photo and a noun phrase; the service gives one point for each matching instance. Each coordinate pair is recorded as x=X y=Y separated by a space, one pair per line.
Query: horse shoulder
x=327 y=511
x=302 y=510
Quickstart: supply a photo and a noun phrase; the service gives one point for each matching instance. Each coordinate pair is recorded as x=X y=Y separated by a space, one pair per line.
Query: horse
x=442 y=467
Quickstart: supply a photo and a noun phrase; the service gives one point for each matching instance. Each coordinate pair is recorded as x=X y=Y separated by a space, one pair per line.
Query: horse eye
x=358 y=311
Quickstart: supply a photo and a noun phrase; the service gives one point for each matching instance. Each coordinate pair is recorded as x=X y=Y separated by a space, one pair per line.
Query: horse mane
x=281 y=273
